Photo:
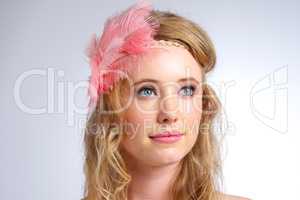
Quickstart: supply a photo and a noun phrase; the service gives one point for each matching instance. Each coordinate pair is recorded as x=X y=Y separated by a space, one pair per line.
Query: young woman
x=149 y=134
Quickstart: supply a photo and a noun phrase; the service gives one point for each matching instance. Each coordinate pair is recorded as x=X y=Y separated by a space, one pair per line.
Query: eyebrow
x=156 y=81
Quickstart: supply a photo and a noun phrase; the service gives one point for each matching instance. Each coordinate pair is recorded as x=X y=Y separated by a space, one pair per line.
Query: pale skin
x=168 y=103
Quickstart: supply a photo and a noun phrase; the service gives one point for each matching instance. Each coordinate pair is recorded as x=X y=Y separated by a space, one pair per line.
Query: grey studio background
x=44 y=75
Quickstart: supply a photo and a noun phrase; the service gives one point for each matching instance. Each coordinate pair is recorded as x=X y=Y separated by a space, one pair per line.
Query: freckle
x=146 y=142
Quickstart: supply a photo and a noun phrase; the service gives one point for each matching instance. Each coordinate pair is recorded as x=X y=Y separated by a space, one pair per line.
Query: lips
x=167 y=134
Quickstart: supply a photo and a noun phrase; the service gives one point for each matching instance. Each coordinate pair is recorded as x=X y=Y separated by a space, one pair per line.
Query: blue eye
x=188 y=90
x=150 y=91
x=146 y=91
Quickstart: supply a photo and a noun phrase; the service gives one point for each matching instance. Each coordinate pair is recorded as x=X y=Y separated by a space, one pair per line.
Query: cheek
x=140 y=116
x=137 y=122
x=191 y=117
x=191 y=111
x=191 y=104
x=138 y=146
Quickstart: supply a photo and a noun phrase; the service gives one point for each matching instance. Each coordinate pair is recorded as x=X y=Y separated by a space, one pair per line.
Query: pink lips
x=167 y=137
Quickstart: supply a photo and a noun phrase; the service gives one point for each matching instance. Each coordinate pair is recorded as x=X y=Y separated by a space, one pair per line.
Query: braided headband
x=125 y=37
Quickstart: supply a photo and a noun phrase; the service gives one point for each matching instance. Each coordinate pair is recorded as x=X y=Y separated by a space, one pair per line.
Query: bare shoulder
x=232 y=197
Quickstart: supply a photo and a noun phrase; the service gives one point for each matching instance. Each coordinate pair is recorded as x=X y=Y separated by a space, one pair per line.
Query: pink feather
x=124 y=37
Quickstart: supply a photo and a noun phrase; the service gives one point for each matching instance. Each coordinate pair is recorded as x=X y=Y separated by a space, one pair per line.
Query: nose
x=168 y=112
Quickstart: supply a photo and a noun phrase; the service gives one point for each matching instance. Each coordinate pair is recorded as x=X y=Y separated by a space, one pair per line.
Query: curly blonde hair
x=106 y=174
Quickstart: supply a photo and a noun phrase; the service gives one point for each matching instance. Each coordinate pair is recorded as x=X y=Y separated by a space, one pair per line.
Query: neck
x=151 y=182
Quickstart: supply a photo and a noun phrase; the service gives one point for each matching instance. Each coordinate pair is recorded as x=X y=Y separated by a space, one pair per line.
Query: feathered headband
x=125 y=36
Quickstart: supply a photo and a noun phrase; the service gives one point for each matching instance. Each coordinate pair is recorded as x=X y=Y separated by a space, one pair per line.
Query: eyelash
x=191 y=87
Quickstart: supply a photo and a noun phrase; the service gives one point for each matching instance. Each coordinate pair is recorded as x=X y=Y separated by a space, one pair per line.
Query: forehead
x=167 y=65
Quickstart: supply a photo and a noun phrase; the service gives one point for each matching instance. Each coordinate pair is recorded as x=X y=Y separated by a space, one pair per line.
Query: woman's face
x=167 y=96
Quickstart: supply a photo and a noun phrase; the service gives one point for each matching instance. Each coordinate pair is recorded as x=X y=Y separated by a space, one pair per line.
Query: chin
x=166 y=156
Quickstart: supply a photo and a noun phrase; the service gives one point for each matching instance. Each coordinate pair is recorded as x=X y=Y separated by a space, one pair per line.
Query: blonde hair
x=105 y=170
